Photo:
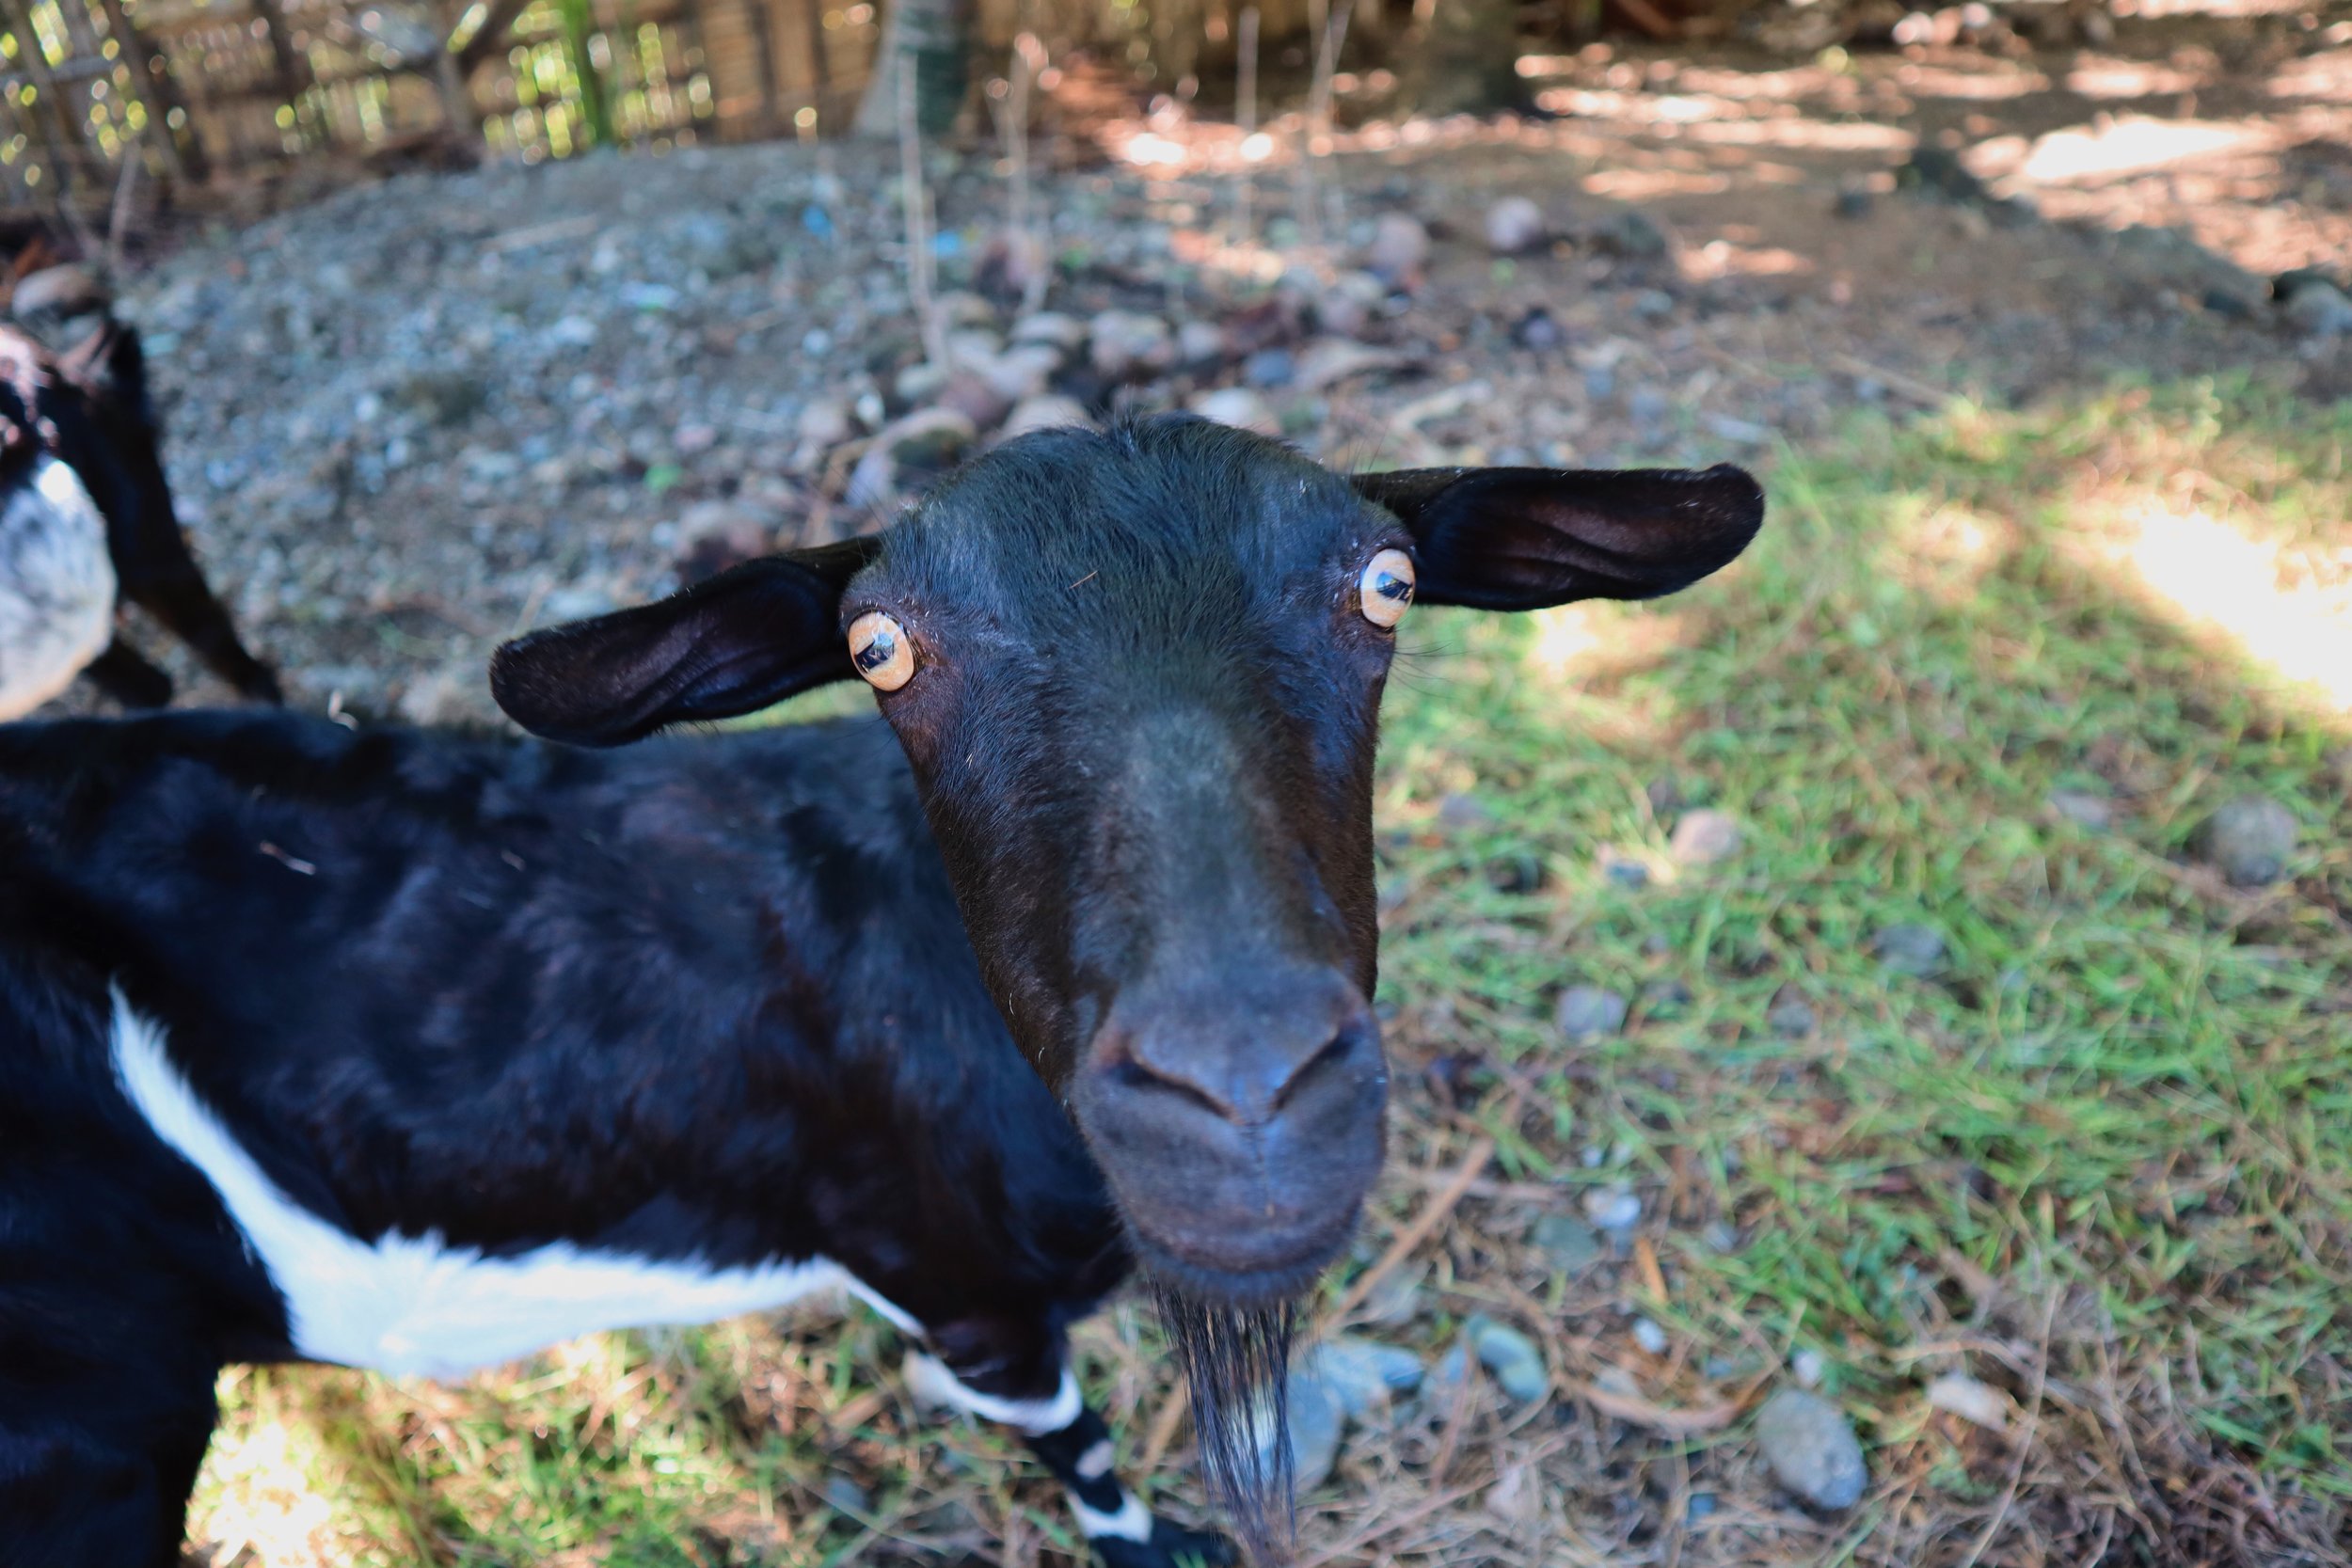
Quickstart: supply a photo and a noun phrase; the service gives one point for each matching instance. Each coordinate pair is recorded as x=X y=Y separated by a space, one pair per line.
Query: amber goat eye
x=879 y=649
x=1387 y=586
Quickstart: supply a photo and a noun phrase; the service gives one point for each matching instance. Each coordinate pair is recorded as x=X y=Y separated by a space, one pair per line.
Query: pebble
x=1514 y=224
x=1811 y=1449
x=1328 y=361
x=1909 y=948
x=1539 y=329
x=1399 y=249
x=927 y=439
x=1612 y=1209
x=1125 y=343
x=1808 y=1368
x=844 y=1495
x=1590 y=1012
x=1512 y=1358
x=1051 y=328
x=1665 y=999
x=1977 y=1403
x=1649 y=1336
x=1363 y=1375
x=1270 y=367
x=1649 y=406
x=1704 y=838
x=1790 y=1016
x=1622 y=869
x=1459 y=809
x=2314 y=304
x=1315 y=1419
x=2091 y=813
x=2250 y=840
x=1199 y=343
x=1237 y=407
x=1632 y=234
x=1050 y=411
x=1568 y=1243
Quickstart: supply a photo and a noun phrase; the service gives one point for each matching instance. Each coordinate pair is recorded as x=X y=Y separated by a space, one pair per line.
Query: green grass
x=2102 y=1160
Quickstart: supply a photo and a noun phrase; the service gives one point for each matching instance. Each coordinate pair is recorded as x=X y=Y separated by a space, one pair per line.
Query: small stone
x=1630 y=234
x=1270 y=367
x=1459 y=809
x=1516 y=873
x=1511 y=1357
x=1790 y=1016
x=927 y=439
x=2250 y=840
x=573 y=604
x=1239 y=407
x=1348 y=306
x=1721 y=1236
x=844 y=1495
x=1590 y=1012
x=2313 y=304
x=1653 y=304
x=1622 y=869
x=919 y=382
x=1746 y=432
x=1568 y=1243
x=1650 y=408
x=1363 y=1375
x=1704 y=838
x=1314 y=1417
x=1051 y=328
x=1612 y=1209
x=1020 y=372
x=1649 y=1336
x=2091 y=813
x=1702 y=1505
x=1539 y=329
x=1808 y=1368
x=1514 y=225
x=1909 y=948
x=1126 y=343
x=1811 y=1449
x=1199 y=343
x=1855 y=202
x=1394 y=1301
x=1979 y=1403
x=1050 y=411
x=1399 y=249
x=1328 y=361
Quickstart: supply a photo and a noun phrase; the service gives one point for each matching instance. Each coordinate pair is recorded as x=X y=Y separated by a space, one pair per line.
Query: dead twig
x=1432 y=1215
x=916 y=196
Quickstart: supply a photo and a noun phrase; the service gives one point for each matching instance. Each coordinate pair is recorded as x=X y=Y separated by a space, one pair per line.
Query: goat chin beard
x=1235 y=1360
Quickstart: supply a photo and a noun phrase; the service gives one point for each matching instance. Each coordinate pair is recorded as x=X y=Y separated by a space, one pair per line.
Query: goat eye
x=879 y=648
x=1387 y=586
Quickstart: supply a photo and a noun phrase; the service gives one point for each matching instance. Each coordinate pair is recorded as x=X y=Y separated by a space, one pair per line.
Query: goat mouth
x=1201 y=1274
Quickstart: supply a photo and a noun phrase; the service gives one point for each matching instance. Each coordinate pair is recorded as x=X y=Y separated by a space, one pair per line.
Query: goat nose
x=1245 y=1054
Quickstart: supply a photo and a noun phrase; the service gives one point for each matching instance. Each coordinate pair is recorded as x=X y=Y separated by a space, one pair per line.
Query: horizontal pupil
x=875 y=653
x=1395 y=588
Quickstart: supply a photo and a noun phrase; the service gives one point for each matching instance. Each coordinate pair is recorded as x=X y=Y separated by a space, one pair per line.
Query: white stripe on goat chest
x=57 y=586
x=414 y=1306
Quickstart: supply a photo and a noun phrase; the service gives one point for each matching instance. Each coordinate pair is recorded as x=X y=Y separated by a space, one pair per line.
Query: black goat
x=85 y=521
x=418 y=1052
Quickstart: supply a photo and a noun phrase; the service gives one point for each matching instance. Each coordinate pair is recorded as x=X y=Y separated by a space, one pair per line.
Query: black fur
x=766 y=995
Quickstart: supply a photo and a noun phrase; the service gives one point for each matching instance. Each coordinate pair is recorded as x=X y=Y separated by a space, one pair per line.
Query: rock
x=1808 y=1368
x=1237 y=407
x=1721 y=1236
x=1350 y=305
x=1649 y=1336
x=1399 y=249
x=1270 y=367
x=1050 y=412
x=714 y=535
x=1790 y=1016
x=823 y=422
x=1589 y=1013
x=1539 y=329
x=1855 y=201
x=1704 y=838
x=844 y=1495
x=2312 y=303
x=1363 y=1375
x=1513 y=1359
x=1665 y=999
x=1328 y=361
x=2091 y=813
x=1514 y=225
x=1909 y=948
x=1314 y=1417
x=1979 y=1403
x=1632 y=235
x=1125 y=344
x=919 y=382
x=1020 y=372
x=926 y=441
x=1622 y=869
x=575 y=604
x=1811 y=1449
x=1612 y=1209
x=975 y=398
x=1199 y=343
x=1051 y=328
x=1568 y=1243
x=2250 y=840
x=1394 y=1301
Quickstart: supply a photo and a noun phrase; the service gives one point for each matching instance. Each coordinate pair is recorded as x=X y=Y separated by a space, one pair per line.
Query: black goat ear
x=733 y=645
x=1525 y=538
x=110 y=365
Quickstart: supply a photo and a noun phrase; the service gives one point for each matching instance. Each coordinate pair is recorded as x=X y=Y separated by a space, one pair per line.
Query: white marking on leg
x=413 y=1305
x=1133 y=1522
x=929 y=1381
x=1096 y=1462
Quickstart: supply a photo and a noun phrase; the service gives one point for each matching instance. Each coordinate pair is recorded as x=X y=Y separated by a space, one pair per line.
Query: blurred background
x=1891 y=1001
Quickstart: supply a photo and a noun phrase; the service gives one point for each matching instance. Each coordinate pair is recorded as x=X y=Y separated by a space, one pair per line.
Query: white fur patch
x=932 y=1384
x=1133 y=1522
x=414 y=1306
x=56 y=587
x=1096 y=1462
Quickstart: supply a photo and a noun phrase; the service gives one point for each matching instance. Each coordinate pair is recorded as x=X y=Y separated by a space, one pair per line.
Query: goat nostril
x=1248 y=1072
x=1335 y=1053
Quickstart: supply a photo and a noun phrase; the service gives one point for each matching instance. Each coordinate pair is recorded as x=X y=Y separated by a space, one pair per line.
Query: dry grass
x=2101 y=1162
